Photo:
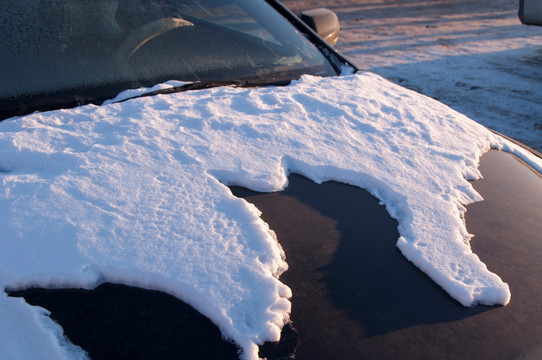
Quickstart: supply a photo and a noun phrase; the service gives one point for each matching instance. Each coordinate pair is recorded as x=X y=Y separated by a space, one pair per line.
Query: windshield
x=56 y=52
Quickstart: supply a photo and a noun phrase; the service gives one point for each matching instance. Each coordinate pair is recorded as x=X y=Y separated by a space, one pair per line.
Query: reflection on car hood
x=135 y=192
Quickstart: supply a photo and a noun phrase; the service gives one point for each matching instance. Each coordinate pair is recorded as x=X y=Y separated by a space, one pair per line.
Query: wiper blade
x=200 y=85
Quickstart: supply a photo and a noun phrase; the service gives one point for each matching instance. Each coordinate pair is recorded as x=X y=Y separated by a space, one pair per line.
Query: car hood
x=355 y=294
x=136 y=193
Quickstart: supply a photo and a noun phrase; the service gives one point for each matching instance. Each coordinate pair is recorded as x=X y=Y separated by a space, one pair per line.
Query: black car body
x=350 y=299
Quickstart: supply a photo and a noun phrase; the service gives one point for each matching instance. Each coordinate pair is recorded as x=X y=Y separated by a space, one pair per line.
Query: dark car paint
x=354 y=294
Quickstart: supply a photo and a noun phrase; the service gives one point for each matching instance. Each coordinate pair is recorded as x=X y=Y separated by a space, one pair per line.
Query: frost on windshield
x=136 y=193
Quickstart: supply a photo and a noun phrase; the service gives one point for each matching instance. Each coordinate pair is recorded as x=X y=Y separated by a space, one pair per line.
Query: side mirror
x=324 y=22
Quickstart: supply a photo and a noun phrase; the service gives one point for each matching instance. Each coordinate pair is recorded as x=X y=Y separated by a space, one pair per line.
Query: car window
x=231 y=16
x=55 y=51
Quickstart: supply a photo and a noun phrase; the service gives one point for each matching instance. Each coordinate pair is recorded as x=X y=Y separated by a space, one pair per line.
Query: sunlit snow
x=474 y=56
x=136 y=193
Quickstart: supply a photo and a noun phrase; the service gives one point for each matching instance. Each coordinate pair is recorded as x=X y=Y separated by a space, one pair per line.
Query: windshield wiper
x=200 y=85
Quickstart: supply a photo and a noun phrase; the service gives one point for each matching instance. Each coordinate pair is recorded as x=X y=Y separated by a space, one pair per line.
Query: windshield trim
x=201 y=85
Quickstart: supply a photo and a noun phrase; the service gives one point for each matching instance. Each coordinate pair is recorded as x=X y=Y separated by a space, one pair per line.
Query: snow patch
x=135 y=193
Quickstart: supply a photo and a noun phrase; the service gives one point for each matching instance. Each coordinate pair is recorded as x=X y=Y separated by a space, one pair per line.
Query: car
x=530 y=12
x=206 y=179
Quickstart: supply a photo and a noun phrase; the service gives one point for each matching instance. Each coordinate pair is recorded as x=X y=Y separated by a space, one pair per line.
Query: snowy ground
x=474 y=56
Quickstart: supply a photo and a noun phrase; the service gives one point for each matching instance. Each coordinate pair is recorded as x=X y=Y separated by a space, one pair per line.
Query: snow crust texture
x=136 y=193
x=474 y=56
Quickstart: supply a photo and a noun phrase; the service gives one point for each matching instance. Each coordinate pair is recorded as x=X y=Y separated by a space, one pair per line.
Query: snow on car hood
x=136 y=193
